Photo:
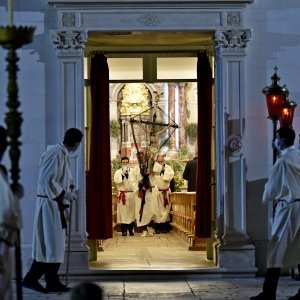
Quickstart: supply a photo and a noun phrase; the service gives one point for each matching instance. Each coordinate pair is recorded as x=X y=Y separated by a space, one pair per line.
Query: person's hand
x=71 y=196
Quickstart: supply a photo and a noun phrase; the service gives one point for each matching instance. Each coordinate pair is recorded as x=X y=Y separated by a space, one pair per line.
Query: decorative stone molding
x=232 y=38
x=150 y=19
x=233 y=19
x=69 y=41
x=234 y=145
x=68 y=19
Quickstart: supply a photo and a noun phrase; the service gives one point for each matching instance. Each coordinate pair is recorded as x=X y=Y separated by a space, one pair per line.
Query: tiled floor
x=159 y=252
x=146 y=262
x=201 y=289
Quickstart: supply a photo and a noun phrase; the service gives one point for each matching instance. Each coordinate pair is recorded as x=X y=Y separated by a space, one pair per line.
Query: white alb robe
x=162 y=181
x=284 y=185
x=126 y=205
x=151 y=196
x=10 y=224
x=54 y=178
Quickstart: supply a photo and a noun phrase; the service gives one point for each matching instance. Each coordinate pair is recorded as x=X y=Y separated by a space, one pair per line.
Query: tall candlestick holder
x=11 y=39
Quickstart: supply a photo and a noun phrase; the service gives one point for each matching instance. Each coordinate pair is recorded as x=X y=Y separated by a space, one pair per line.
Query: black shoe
x=34 y=285
x=157 y=229
x=124 y=233
x=131 y=233
x=57 y=288
x=262 y=296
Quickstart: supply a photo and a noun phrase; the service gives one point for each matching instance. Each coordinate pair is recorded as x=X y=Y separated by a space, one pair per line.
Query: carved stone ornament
x=69 y=39
x=234 y=144
x=233 y=19
x=232 y=38
x=68 y=20
x=150 y=19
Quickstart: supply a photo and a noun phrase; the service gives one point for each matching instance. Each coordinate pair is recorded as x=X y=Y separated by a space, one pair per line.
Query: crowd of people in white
x=143 y=195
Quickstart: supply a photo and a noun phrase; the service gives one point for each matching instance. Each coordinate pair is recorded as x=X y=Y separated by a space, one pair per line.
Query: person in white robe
x=10 y=225
x=163 y=175
x=54 y=191
x=283 y=190
x=146 y=194
x=126 y=197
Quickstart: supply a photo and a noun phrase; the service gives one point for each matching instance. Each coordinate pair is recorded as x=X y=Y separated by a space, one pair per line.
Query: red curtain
x=203 y=191
x=99 y=191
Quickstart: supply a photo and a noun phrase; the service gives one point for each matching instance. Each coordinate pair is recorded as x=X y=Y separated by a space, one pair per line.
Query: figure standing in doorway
x=190 y=174
x=145 y=195
x=163 y=175
x=126 y=198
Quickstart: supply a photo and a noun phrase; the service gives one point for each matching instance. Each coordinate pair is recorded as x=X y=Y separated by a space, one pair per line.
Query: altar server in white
x=146 y=195
x=10 y=224
x=163 y=175
x=126 y=197
x=283 y=190
x=54 y=191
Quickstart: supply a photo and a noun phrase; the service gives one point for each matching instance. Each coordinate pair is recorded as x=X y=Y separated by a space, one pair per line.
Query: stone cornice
x=135 y=4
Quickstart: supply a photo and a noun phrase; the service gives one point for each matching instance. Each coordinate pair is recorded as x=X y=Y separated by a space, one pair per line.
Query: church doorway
x=165 y=67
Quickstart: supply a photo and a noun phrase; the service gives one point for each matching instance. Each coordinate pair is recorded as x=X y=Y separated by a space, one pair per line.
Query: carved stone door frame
x=232 y=251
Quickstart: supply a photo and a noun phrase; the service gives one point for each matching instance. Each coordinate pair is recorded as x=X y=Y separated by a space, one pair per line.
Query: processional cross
x=154 y=133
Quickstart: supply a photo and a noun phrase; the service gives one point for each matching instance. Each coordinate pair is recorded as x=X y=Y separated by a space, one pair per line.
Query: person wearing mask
x=283 y=189
x=163 y=175
x=10 y=224
x=54 y=191
x=126 y=198
x=190 y=174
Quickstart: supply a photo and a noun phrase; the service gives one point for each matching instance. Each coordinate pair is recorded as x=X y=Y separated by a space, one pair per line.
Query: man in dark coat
x=190 y=174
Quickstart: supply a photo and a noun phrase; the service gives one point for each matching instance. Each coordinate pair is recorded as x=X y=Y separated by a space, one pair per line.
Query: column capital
x=232 y=41
x=69 y=42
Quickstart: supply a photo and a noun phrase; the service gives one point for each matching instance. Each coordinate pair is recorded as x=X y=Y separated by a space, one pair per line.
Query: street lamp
x=276 y=96
x=287 y=113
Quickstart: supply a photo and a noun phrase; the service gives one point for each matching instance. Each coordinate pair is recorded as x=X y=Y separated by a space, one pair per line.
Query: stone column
x=70 y=54
x=182 y=115
x=171 y=109
x=233 y=249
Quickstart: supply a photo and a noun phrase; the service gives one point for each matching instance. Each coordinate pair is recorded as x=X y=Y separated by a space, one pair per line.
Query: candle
x=10 y=12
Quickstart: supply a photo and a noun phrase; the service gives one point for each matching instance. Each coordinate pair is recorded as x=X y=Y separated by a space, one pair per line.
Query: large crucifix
x=153 y=132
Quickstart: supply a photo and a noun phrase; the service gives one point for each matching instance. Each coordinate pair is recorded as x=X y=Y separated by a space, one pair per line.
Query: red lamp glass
x=276 y=96
x=287 y=113
x=275 y=105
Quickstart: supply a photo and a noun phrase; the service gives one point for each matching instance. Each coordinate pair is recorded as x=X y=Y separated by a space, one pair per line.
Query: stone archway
x=232 y=251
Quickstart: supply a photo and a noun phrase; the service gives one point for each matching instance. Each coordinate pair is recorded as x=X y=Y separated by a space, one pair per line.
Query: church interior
x=156 y=75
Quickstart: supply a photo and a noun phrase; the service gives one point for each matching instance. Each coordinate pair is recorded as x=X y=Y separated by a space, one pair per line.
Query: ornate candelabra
x=12 y=38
